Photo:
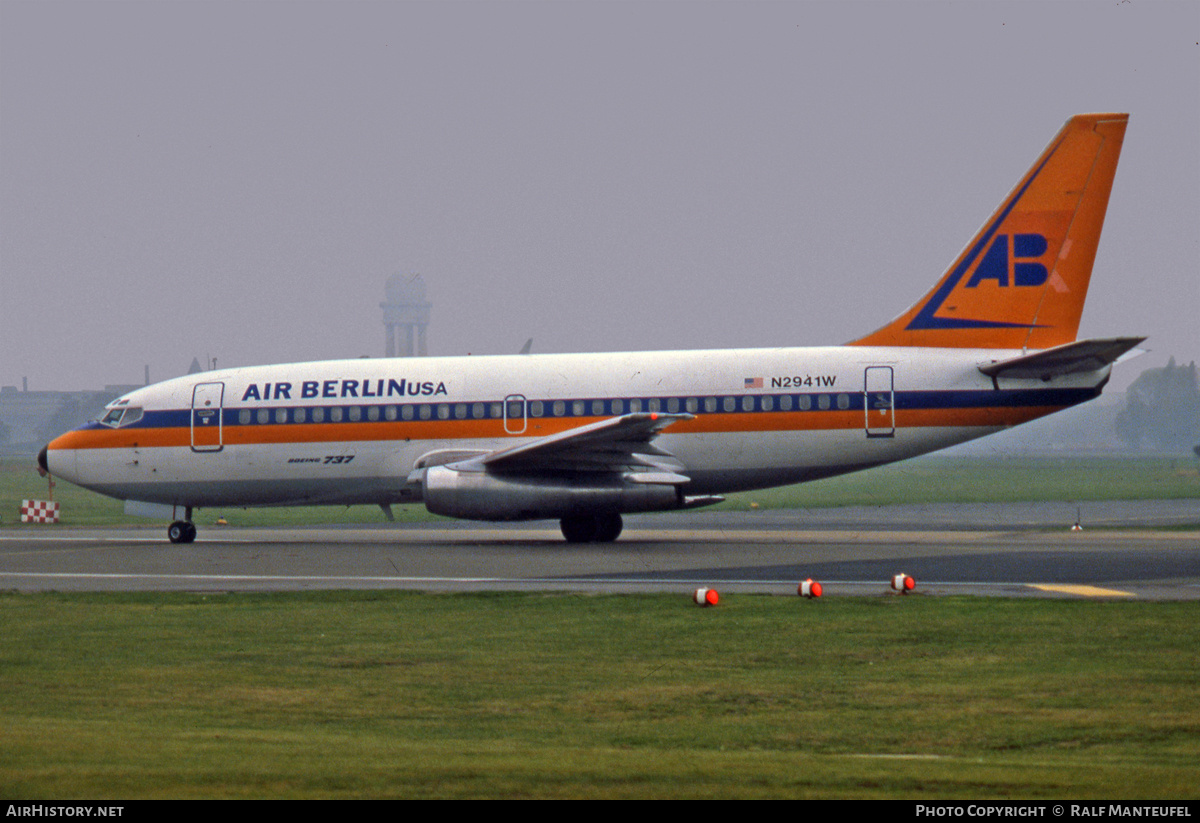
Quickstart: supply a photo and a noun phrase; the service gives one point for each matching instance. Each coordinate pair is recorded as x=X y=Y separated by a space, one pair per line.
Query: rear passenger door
x=879 y=401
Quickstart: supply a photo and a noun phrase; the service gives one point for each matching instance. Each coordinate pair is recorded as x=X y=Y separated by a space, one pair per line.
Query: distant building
x=407 y=309
x=31 y=418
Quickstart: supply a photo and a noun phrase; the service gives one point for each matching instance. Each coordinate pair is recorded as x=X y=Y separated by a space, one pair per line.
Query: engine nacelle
x=477 y=495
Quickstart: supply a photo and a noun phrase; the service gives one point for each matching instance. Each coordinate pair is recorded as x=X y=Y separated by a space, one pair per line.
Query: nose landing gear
x=182 y=531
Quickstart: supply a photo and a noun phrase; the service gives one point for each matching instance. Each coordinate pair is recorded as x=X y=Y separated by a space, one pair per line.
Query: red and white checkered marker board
x=39 y=511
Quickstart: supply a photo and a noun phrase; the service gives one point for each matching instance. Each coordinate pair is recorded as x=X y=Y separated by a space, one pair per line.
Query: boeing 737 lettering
x=586 y=438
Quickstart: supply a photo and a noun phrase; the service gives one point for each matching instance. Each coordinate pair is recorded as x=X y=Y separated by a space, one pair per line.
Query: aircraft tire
x=591 y=528
x=579 y=528
x=608 y=528
x=181 y=531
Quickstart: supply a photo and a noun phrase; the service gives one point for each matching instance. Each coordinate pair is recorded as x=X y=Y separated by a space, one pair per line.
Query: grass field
x=400 y=694
x=395 y=694
x=929 y=479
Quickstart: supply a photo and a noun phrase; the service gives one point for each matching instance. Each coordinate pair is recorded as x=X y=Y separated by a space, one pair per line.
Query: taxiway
x=1125 y=549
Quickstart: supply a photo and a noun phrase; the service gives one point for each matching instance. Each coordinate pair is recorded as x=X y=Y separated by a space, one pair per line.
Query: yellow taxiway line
x=1082 y=591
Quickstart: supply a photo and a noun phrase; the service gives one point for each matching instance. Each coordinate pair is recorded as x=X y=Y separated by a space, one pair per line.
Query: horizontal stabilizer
x=1080 y=356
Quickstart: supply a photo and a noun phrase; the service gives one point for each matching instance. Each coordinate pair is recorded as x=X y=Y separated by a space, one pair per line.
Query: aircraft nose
x=43 y=466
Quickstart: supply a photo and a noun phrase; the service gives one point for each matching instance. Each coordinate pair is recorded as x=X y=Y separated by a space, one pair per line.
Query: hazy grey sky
x=183 y=179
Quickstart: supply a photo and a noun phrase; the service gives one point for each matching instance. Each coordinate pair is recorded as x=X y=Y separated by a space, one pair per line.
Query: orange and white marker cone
x=706 y=597
x=903 y=583
x=809 y=588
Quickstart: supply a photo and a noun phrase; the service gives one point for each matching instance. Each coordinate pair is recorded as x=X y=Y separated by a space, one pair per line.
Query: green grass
x=938 y=479
x=394 y=694
x=932 y=479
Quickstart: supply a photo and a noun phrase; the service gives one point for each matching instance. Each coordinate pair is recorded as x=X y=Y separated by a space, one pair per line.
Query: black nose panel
x=45 y=468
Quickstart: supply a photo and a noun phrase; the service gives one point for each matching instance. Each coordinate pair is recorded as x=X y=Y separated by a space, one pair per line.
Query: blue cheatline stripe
x=1004 y=399
x=609 y=407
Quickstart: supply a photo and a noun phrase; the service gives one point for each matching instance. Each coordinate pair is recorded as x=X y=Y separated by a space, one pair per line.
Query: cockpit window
x=122 y=416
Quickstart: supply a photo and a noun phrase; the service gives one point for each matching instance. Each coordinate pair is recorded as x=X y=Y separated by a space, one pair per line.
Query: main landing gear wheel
x=181 y=531
x=591 y=528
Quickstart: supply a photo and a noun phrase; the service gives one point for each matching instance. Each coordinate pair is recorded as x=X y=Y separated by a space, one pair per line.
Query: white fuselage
x=355 y=431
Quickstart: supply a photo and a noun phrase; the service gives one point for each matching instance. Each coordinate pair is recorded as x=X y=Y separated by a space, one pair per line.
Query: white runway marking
x=732 y=552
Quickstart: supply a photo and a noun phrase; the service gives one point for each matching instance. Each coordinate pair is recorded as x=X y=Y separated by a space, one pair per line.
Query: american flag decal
x=754 y=382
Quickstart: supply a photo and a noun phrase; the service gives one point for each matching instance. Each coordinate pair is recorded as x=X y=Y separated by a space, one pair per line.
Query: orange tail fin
x=1022 y=280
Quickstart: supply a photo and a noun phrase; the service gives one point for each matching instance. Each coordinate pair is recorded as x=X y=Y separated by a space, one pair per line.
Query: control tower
x=407 y=308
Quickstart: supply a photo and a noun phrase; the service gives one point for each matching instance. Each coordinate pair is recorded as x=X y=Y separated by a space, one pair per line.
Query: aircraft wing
x=620 y=444
x=1080 y=356
x=612 y=465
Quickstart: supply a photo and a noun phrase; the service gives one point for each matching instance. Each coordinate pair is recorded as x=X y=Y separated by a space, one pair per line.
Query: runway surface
x=1126 y=549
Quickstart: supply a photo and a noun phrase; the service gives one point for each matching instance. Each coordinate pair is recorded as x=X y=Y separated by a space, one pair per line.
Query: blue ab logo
x=995 y=264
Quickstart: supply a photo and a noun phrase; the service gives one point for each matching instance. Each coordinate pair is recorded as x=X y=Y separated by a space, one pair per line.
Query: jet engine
x=482 y=495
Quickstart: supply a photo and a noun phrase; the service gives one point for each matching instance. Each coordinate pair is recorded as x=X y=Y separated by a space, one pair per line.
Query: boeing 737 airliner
x=585 y=438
